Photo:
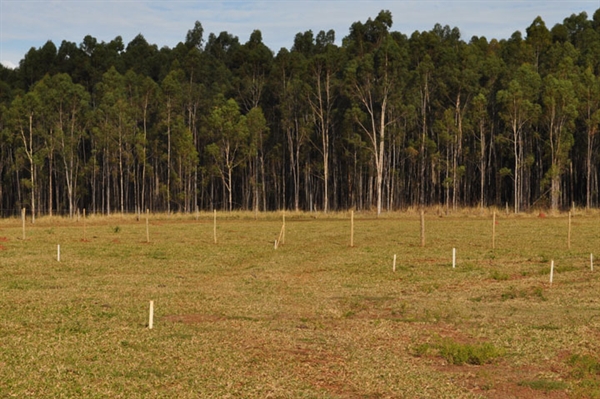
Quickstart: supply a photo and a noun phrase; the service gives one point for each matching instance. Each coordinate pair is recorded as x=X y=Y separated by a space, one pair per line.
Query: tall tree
x=116 y=135
x=23 y=121
x=323 y=71
x=65 y=115
x=519 y=110
x=560 y=111
x=230 y=147
x=588 y=92
x=371 y=79
x=172 y=120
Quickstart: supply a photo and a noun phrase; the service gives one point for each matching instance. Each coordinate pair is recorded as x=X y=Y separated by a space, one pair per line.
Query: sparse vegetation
x=545 y=385
x=314 y=318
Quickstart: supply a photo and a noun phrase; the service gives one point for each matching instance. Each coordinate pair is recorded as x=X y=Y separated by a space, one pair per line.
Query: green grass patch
x=499 y=276
x=474 y=354
x=584 y=366
x=545 y=385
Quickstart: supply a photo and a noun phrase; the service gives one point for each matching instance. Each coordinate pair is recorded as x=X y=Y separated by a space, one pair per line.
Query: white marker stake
x=453 y=258
x=592 y=262
x=58 y=253
x=151 y=319
x=551 y=271
x=394 y=266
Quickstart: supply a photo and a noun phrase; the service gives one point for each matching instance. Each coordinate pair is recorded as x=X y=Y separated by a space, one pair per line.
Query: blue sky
x=31 y=23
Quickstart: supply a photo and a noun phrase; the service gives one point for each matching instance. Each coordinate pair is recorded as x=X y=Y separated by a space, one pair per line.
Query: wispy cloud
x=30 y=23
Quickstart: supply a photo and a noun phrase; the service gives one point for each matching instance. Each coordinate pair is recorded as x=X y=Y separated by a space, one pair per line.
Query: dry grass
x=314 y=318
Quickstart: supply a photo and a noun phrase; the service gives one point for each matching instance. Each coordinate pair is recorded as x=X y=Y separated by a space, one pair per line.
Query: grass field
x=314 y=318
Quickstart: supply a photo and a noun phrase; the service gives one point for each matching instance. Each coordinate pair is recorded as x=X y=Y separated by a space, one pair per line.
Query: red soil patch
x=542 y=215
x=3 y=239
x=2 y=248
x=498 y=381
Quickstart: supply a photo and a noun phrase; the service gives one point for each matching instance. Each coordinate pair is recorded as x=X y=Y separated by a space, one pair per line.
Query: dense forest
x=384 y=121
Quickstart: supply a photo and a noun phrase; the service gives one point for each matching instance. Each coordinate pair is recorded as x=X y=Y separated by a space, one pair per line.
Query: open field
x=314 y=318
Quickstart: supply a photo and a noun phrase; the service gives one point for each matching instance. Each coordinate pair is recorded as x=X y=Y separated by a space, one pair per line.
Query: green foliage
x=475 y=354
x=384 y=120
x=584 y=366
x=499 y=276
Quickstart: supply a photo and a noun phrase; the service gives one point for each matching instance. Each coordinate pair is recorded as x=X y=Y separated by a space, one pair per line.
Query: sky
x=31 y=23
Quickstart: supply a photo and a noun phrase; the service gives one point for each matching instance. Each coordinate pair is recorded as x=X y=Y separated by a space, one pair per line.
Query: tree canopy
x=383 y=121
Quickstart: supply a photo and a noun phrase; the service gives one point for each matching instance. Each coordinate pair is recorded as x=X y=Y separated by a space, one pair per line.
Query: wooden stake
x=394 y=265
x=280 y=239
x=23 y=220
x=351 y=229
x=283 y=229
x=151 y=316
x=58 y=253
x=494 y=230
x=83 y=224
x=569 y=233
x=551 y=271
x=215 y=225
x=453 y=258
x=147 y=226
x=422 y=228
x=507 y=208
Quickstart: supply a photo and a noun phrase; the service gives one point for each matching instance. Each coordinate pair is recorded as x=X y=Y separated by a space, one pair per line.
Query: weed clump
x=584 y=366
x=586 y=370
x=499 y=276
x=475 y=354
x=458 y=354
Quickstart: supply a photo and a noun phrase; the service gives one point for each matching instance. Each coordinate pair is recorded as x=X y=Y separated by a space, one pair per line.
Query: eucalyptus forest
x=383 y=121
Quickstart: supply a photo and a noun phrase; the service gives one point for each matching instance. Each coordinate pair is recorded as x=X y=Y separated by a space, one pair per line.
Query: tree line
x=383 y=121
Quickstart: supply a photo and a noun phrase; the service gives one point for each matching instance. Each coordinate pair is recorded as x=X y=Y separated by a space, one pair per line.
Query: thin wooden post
x=569 y=233
x=394 y=264
x=551 y=271
x=147 y=226
x=351 y=229
x=215 y=225
x=23 y=221
x=494 y=230
x=422 y=228
x=279 y=239
x=58 y=253
x=151 y=316
x=453 y=258
x=83 y=224
x=283 y=229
